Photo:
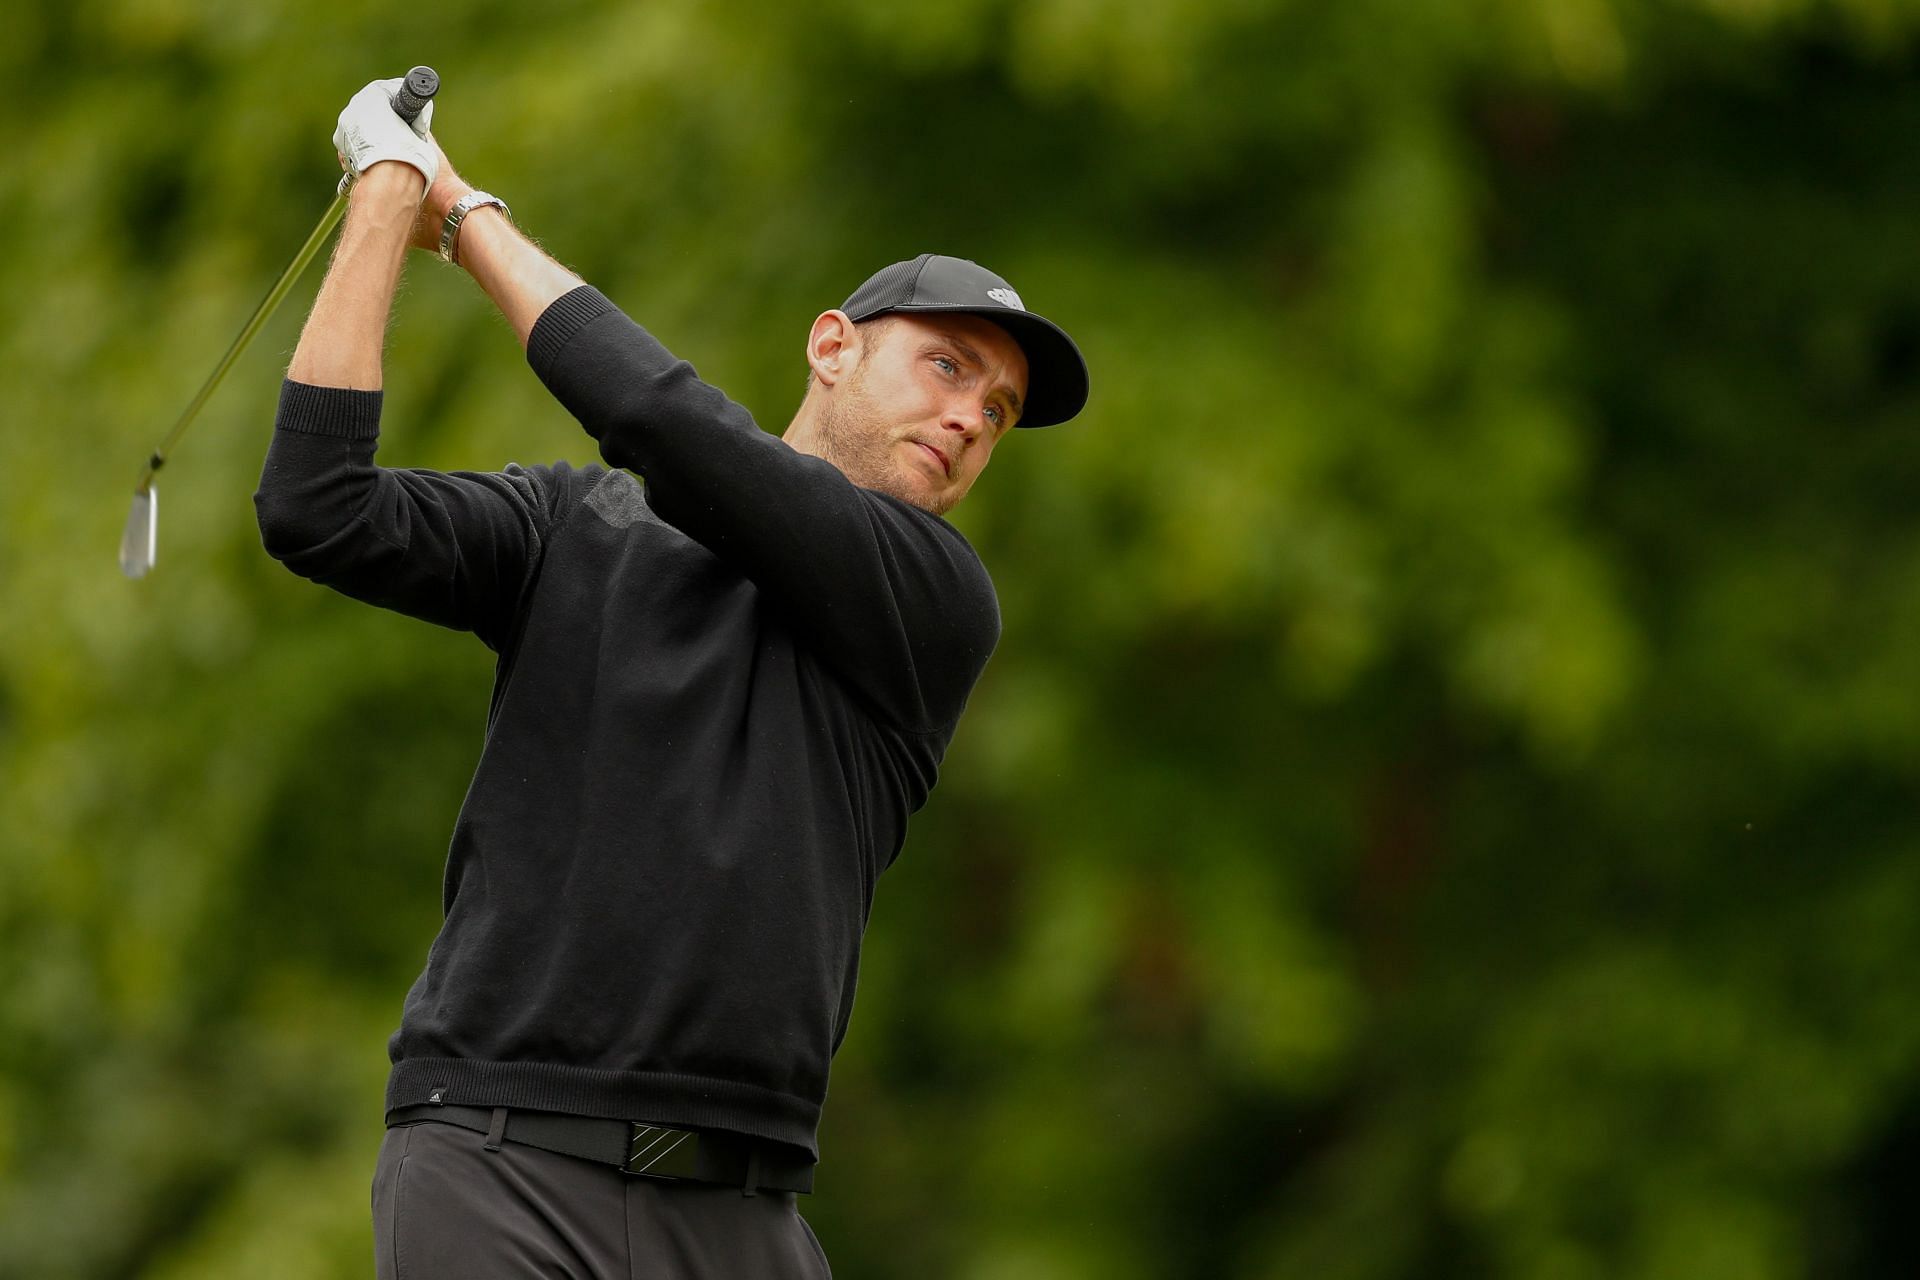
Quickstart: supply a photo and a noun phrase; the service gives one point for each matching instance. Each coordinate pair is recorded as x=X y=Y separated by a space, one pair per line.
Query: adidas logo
x=1006 y=298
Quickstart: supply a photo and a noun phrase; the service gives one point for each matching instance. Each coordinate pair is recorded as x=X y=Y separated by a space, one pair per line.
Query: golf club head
x=137 y=542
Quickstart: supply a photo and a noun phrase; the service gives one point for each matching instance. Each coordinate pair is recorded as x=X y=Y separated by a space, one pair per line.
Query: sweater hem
x=652 y=1097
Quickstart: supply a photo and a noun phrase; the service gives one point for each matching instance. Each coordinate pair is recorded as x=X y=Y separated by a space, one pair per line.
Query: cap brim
x=1057 y=380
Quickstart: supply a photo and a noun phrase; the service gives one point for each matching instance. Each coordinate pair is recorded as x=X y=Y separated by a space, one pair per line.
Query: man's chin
x=937 y=504
x=910 y=485
x=915 y=491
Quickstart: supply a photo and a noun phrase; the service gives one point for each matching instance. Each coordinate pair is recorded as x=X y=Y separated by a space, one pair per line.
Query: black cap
x=1056 y=373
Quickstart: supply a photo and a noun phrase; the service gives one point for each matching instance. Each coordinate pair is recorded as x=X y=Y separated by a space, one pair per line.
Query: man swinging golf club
x=729 y=666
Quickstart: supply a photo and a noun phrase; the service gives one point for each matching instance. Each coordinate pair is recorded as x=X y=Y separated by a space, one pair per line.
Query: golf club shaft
x=261 y=314
x=137 y=540
x=416 y=90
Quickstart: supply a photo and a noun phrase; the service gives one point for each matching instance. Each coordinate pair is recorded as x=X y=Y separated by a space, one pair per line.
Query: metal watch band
x=450 y=232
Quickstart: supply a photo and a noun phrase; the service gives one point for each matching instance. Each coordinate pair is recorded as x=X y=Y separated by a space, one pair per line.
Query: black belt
x=644 y=1150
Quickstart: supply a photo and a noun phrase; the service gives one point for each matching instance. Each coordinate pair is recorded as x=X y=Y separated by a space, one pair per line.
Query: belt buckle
x=657 y=1152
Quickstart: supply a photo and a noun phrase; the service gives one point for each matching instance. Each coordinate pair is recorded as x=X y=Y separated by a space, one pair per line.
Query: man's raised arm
x=454 y=548
x=891 y=597
x=394 y=160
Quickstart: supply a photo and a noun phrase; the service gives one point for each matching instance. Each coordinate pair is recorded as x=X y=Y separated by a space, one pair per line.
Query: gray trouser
x=443 y=1206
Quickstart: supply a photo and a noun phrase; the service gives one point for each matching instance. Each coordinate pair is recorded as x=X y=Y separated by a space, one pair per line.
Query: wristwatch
x=465 y=205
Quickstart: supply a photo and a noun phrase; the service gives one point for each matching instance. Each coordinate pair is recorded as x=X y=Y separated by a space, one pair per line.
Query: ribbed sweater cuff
x=564 y=317
x=328 y=411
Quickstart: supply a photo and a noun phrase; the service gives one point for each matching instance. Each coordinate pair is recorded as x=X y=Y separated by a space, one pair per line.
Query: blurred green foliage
x=1445 y=804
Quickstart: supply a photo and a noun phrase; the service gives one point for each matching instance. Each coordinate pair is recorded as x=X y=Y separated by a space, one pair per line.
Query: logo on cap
x=1006 y=298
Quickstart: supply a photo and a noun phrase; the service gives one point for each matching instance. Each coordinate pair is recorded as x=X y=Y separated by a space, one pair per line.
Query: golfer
x=729 y=664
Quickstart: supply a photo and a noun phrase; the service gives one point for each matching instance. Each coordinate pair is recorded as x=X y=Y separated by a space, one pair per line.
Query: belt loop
x=753 y=1171
x=498 y=1133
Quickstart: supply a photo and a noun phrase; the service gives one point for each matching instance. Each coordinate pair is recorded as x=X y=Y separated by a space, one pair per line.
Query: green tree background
x=1445 y=804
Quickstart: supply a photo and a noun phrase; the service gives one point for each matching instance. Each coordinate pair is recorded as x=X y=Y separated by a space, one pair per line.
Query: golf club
x=137 y=541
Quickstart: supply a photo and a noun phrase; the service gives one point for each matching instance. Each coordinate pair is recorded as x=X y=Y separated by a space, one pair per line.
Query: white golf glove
x=370 y=131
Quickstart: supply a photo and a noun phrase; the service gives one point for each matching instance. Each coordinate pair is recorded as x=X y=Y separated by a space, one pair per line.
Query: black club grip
x=415 y=92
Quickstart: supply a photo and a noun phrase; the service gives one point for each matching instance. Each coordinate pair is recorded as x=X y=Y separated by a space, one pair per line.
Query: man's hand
x=370 y=131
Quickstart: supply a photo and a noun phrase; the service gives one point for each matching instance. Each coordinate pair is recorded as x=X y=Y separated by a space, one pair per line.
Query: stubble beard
x=854 y=437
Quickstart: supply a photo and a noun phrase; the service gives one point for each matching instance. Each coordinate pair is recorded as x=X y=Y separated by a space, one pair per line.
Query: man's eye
x=993 y=412
x=946 y=365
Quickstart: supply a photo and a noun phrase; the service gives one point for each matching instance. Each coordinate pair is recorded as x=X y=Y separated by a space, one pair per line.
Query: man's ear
x=833 y=345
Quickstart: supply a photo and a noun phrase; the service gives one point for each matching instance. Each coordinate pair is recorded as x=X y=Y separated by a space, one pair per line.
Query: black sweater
x=719 y=696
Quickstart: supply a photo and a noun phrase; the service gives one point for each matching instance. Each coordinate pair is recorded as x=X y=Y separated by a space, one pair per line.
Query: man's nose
x=967 y=418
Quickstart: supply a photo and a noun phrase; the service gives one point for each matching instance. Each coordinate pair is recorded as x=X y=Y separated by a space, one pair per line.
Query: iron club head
x=137 y=540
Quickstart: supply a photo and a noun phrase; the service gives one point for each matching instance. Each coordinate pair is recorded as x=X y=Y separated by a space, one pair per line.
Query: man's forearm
x=346 y=332
x=515 y=272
